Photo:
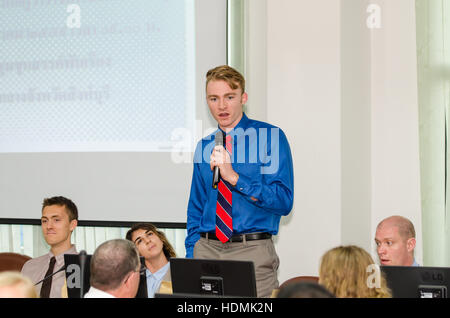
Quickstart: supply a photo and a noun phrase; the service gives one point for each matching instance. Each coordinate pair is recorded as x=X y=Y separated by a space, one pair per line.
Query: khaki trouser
x=261 y=252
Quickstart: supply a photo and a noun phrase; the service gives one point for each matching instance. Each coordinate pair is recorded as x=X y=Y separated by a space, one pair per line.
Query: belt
x=239 y=237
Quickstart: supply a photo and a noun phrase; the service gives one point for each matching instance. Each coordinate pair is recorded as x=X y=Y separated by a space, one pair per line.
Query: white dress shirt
x=97 y=293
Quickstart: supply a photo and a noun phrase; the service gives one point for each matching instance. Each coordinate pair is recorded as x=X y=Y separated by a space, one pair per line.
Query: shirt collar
x=98 y=293
x=60 y=257
x=159 y=274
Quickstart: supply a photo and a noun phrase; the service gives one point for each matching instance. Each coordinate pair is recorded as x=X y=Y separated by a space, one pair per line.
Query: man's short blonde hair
x=228 y=74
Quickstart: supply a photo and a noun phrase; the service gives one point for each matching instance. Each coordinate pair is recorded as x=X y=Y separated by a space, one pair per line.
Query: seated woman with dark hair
x=153 y=245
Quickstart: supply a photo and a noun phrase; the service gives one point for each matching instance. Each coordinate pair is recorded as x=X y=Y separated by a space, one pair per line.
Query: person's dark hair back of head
x=304 y=290
x=71 y=208
x=111 y=262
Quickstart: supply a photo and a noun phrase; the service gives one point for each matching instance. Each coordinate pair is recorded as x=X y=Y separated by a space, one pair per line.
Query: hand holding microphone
x=213 y=163
x=220 y=162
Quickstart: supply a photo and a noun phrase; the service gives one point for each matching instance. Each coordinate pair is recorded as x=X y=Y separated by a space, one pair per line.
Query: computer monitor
x=73 y=275
x=417 y=282
x=213 y=277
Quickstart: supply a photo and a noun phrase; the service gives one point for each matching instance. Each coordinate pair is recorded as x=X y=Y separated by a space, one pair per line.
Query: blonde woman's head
x=344 y=272
x=15 y=285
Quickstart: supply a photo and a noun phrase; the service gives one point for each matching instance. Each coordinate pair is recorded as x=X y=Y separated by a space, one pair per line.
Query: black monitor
x=73 y=275
x=417 y=282
x=210 y=277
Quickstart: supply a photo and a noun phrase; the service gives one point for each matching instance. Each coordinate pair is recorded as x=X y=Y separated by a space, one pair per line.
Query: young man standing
x=59 y=219
x=236 y=218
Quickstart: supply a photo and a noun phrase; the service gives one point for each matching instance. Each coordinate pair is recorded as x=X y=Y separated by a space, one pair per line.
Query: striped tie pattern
x=224 y=222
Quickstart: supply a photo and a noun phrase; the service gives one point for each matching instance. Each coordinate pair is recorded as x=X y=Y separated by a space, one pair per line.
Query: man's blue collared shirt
x=262 y=157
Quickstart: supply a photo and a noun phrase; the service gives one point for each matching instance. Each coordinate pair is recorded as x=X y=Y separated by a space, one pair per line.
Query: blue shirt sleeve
x=197 y=200
x=273 y=188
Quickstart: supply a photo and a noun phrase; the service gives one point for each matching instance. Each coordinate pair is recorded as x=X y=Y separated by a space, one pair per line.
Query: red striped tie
x=224 y=222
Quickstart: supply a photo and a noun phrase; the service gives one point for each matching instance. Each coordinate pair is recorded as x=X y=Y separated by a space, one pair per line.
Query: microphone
x=82 y=255
x=216 y=173
x=47 y=277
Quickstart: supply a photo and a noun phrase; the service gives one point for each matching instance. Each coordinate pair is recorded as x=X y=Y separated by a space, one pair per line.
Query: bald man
x=396 y=239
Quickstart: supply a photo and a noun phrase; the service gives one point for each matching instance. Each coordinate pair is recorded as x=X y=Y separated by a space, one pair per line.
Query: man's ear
x=244 y=98
x=129 y=279
x=73 y=225
x=411 y=244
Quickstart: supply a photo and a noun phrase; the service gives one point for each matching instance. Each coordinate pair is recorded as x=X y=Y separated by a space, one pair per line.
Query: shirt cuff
x=243 y=185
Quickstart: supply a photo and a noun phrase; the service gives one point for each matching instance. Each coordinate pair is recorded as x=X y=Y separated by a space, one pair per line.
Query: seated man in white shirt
x=115 y=269
x=396 y=239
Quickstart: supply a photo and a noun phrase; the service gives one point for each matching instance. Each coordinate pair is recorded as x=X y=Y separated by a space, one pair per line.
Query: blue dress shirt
x=154 y=280
x=262 y=157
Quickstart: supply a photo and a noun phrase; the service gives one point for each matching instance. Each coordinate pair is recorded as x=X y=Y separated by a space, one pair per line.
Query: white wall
x=346 y=98
x=395 y=123
x=356 y=124
x=303 y=72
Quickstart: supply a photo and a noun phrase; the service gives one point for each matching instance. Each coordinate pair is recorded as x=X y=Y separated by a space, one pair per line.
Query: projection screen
x=102 y=101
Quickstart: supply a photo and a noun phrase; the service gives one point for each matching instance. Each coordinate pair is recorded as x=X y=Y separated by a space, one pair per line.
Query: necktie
x=47 y=284
x=224 y=223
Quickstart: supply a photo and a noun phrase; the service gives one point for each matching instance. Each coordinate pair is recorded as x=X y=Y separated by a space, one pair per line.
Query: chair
x=298 y=279
x=12 y=261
